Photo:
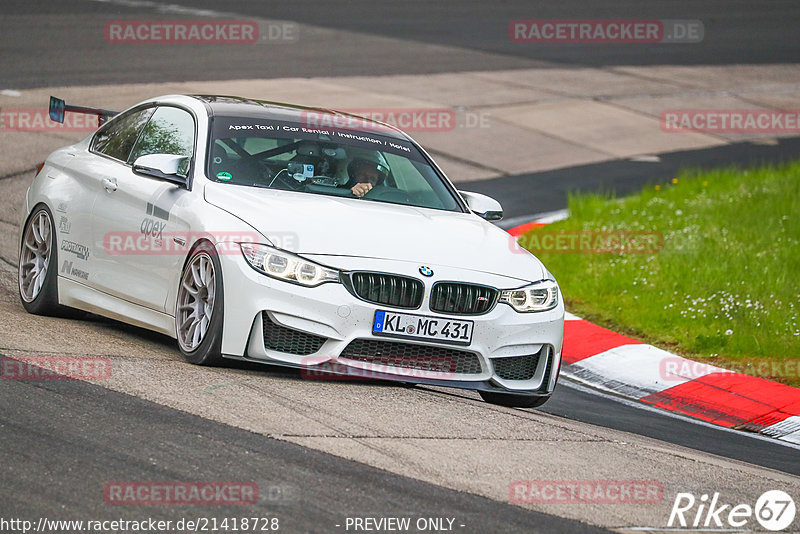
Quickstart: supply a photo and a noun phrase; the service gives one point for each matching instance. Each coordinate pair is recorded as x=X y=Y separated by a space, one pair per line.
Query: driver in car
x=365 y=174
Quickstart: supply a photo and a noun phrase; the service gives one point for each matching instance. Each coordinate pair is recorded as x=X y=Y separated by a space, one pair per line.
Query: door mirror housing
x=483 y=206
x=167 y=167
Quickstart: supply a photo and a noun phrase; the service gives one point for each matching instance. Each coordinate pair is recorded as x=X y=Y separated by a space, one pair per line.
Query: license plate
x=412 y=326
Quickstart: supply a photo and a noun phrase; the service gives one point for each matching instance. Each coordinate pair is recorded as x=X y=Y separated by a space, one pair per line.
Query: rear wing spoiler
x=58 y=108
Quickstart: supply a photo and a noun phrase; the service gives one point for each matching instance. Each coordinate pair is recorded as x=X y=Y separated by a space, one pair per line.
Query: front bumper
x=510 y=351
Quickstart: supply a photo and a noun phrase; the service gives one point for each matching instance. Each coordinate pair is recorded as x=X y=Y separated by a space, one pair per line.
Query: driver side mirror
x=168 y=167
x=483 y=206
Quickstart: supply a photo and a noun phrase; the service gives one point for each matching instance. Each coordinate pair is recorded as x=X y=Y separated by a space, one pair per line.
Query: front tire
x=200 y=305
x=38 y=265
x=513 y=400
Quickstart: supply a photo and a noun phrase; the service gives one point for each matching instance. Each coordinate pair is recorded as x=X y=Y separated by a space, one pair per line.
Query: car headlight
x=286 y=266
x=539 y=296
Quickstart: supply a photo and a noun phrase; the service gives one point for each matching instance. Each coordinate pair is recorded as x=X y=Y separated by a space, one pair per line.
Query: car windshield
x=289 y=156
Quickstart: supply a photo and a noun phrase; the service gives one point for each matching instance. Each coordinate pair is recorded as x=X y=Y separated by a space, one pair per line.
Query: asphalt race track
x=133 y=439
x=385 y=38
x=322 y=452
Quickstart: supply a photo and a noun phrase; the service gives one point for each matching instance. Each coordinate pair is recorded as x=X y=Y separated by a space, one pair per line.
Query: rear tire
x=199 y=308
x=37 y=273
x=513 y=400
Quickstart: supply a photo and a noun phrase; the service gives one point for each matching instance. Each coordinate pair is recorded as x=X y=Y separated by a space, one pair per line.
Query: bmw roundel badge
x=425 y=271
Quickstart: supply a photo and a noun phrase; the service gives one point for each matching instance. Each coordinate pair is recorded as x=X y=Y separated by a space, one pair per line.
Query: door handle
x=110 y=184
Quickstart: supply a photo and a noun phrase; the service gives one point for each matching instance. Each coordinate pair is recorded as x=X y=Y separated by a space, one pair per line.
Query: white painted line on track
x=787 y=430
x=168 y=8
x=552 y=216
x=545 y=217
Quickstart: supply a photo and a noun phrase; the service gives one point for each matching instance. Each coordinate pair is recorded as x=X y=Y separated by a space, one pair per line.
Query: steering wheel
x=388 y=194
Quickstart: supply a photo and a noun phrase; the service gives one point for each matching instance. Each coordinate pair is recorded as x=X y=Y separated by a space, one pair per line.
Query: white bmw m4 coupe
x=291 y=236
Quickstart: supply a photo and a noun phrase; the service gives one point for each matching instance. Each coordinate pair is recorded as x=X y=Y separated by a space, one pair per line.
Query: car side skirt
x=79 y=296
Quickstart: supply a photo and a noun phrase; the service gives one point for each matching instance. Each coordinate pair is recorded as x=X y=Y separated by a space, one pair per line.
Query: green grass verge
x=725 y=288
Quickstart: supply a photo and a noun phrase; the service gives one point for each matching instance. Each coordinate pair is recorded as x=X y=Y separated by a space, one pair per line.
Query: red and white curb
x=609 y=361
x=612 y=362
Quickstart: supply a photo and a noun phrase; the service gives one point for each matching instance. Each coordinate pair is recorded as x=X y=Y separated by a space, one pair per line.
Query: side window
x=170 y=131
x=116 y=139
x=420 y=181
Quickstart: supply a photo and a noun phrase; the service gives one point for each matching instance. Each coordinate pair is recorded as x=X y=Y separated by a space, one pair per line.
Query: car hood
x=334 y=226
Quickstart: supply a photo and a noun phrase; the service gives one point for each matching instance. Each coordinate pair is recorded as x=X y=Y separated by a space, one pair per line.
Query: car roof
x=234 y=106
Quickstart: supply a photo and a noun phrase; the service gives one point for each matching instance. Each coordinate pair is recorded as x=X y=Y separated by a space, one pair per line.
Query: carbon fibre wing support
x=58 y=108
